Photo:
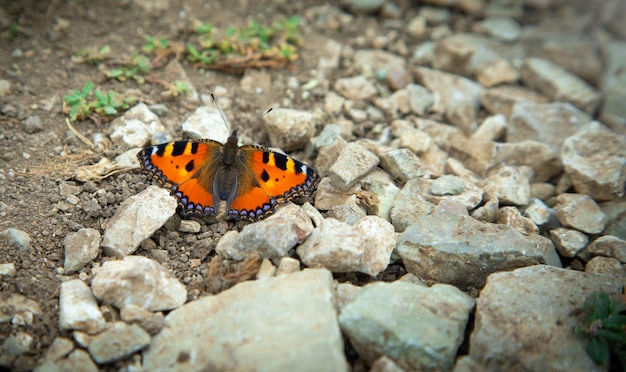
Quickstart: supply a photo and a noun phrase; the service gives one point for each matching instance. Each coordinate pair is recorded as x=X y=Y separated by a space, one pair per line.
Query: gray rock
x=447 y=185
x=512 y=217
x=289 y=129
x=421 y=100
x=136 y=219
x=363 y=6
x=502 y=98
x=459 y=250
x=549 y=123
x=373 y=60
x=339 y=247
x=613 y=85
x=609 y=246
x=402 y=164
x=406 y=323
x=416 y=140
x=501 y=341
x=502 y=28
x=354 y=162
x=451 y=189
x=189 y=226
x=18 y=344
x=355 y=88
x=559 y=84
x=572 y=52
x=568 y=241
x=488 y=212
x=491 y=129
x=511 y=185
x=538 y=212
x=459 y=97
x=409 y=205
x=118 y=342
x=580 y=212
x=78 y=360
x=18 y=306
x=60 y=347
x=609 y=269
x=270 y=238
x=5 y=87
x=8 y=269
x=15 y=238
x=81 y=248
x=595 y=160
x=249 y=322
x=32 y=124
x=149 y=321
x=136 y=127
x=207 y=122
x=78 y=309
x=381 y=193
x=140 y=281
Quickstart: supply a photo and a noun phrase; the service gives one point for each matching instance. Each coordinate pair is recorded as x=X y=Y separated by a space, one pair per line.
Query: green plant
x=606 y=327
x=154 y=45
x=11 y=32
x=132 y=70
x=92 y=56
x=82 y=104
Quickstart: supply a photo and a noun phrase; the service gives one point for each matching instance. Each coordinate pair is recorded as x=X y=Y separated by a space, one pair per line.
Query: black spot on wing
x=194 y=147
x=265 y=176
x=160 y=149
x=266 y=157
x=281 y=161
x=179 y=148
x=189 y=167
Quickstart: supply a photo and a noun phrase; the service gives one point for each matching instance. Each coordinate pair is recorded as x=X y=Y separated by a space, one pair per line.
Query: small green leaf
x=87 y=89
x=598 y=351
x=109 y=110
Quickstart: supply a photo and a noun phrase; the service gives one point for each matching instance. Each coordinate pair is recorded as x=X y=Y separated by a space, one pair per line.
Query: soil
x=38 y=64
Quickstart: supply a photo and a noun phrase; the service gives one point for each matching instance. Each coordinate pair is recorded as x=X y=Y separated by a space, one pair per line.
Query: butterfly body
x=210 y=178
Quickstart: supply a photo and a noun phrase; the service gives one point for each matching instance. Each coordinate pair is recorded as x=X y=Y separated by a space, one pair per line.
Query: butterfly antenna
x=220 y=111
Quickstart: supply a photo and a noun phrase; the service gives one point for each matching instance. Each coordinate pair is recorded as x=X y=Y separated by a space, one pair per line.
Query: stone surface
x=118 y=342
x=512 y=217
x=559 y=84
x=354 y=162
x=18 y=306
x=609 y=246
x=15 y=238
x=289 y=129
x=149 y=321
x=136 y=127
x=580 y=212
x=462 y=251
x=339 y=247
x=504 y=339
x=511 y=185
x=538 y=212
x=549 y=123
x=136 y=219
x=407 y=323
x=78 y=309
x=248 y=320
x=138 y=281
x=206 y=122
x=402 y=164
x=503 y=28
x=355 y=88
x=501 y=99
x=491 y=129
x=409 y=205
x=270 y=238
x=568 y=241
x=595 y=160
x=81 y=248
x=78 y=360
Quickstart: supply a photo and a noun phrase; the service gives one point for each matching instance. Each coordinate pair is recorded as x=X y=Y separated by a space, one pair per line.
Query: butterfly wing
x=274 y=178
x=175 y=166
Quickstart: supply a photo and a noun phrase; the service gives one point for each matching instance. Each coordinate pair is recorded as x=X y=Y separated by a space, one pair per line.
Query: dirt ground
x=37 y=63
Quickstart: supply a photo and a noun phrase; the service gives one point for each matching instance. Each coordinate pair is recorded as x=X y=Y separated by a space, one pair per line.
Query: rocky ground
x=473 y=163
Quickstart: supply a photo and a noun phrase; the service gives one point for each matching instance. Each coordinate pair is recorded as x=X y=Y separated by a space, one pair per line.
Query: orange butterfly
x=251 y=180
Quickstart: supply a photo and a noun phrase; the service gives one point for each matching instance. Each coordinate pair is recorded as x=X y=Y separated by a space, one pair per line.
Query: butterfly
x=248 y=181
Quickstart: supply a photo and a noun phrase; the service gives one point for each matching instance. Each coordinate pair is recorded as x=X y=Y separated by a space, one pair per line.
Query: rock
x=189 y=226
x=379 y=193
x=549 y=123
x=328 y=195
x=595 y=160
x=538 y=212
x=363 y=6
x=175 y=72
x=354 y=162
x=495 y=72
x=17 y=344
x=60 y=347
x=488 y=212
x=328 y=153
x=333 y=103
x=568 y=241
x=459 y=97
x=355 y=88
x=289 y=129
x=481 y=157
x=406 y=323
x=329 y=52
x=512 y=217
x=511 y=185
x=118 y=342
x=207 y=122
x=409 y=205
x=609 y=246
x=491 y=129
x=450 y=188
x=402 y=164
x=542 y=190
x=136 y=219
x=409 y=137
x=398 y=77
x=612 y=111
x=5 y=87
x=149 y=321
x=372 y=60
x=365 y=247
x=580 y=212
x=501 y=99
x=78 y=309
x=78 y=360
x=609 y=269
x=140 y=281
x=527 y=293
x=459 y=250
x=32 y=124
x=385 y=364
x=17 y=306
x=255 y=81
x=502 y=28
x=136 y=127
x=14 y=238
x=416 y=26
x=288 y=265
x=559 y=84
x=81 y=248
x=270 y=238
x=248 y=320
